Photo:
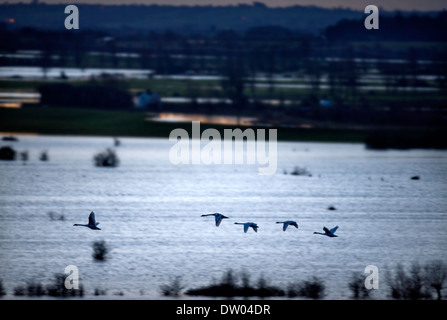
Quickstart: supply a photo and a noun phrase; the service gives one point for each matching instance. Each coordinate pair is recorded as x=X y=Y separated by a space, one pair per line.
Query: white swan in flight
x=248 y=225
x=327 y=232
x=92 y=224
x=217 y=216
x=288 y=223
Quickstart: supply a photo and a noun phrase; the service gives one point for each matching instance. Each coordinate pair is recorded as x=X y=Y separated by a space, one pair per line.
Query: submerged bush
x=35 y=289
x=229 y=278
x=173 y=289
x=43 y=156
x=418 y=281
x=54 y=216
x=313 y=288
x=107 y=158
x=298 y=171
x=58 y=289
x=100 y=250
x=31 y=289
x=55 y=289
x=2 y=289
x=99 y=292
x=357 y=286
x=7 y=153
x=228 y=287
x=435 y=276
x=24 y=155
x=19 y=291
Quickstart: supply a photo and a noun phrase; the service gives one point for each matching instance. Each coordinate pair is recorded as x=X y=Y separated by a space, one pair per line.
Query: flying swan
x=248 y=225
x=327 y=232
x=218 y=217
x=288 y=223
x=92 y=224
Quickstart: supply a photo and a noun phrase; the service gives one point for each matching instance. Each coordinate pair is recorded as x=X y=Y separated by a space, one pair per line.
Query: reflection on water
x=12 y=105
x=15 y=99
x=55 y=72
x=214 y=119
x=367 y=82
x=150 y=215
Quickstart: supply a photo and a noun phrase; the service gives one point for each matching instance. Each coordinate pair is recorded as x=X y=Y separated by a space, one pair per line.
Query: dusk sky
x=404 y=5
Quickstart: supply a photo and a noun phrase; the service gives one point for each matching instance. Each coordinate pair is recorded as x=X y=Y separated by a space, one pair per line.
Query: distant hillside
x=197 y=19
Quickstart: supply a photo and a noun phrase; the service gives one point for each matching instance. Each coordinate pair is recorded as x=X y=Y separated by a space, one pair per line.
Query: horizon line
x=253 y=4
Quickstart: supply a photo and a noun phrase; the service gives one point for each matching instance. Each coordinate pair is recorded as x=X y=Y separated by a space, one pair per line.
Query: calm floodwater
x=149 y=211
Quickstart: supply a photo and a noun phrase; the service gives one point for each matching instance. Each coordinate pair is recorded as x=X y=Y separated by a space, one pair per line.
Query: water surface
x=150 y=214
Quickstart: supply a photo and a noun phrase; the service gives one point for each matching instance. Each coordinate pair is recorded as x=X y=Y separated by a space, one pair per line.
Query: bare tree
x=357 y=286
x=233 y=83
x=45 y=59
x=174 y=288
x=435 y=275
x=411 y=285
x=415 y=283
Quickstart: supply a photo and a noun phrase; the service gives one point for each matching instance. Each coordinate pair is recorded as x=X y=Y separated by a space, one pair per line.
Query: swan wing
x=219 y=219
x=326 y=230
x=333 y=230
x=246 y=226
x=290 y=223
x=91 y=219
x=255 y=227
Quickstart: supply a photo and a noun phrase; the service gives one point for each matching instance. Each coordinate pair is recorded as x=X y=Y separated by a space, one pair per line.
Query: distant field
x=67 y=121
x=212 y=88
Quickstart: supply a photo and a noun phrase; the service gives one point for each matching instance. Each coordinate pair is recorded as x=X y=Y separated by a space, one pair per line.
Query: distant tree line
x=268 y=48
x=204 y=19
